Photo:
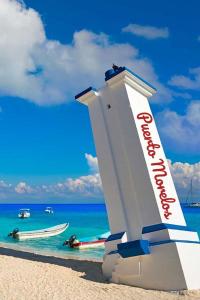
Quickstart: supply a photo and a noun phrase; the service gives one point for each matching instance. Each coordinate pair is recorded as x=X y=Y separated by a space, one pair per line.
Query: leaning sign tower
x=150 y=245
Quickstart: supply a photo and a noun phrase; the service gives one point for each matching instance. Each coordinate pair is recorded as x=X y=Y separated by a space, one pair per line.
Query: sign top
x=117 y=70
x=119 y=74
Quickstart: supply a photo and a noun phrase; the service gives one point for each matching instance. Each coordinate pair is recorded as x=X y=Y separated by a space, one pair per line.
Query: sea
x=87 y=221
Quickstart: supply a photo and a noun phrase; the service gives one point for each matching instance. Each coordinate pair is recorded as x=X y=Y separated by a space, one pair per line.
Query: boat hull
x=24 y=215
x=88 y=245
x=49 y=232
x=48 y=210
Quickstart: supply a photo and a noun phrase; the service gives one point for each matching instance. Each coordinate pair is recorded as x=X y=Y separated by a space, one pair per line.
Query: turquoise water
x=86 y=220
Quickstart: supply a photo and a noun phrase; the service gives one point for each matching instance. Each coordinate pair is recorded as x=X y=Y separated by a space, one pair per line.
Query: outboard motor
x=70 y=241
x=14 y=232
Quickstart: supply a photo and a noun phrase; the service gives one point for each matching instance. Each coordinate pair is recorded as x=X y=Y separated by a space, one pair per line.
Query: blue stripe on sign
x=85 y=92
x=173 y=241
x=161 y=226
x=134 y=248
x=115 y=236
x=152 y=245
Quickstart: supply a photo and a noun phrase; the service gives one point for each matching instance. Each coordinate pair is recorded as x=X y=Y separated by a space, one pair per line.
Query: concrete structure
x=150 y=245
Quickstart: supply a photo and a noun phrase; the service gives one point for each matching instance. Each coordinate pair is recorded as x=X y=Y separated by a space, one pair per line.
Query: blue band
x=162 y=226
x=134 y=248
x=132 y=251
x=173 y=241
x=85 y=92
x=115 y=236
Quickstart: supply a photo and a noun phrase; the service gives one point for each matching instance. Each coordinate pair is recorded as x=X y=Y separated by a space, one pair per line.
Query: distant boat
x=49 y=210
x=190 y=196
x=35 y=234
x=74 y=243
x=24 y=213
x=194 y=204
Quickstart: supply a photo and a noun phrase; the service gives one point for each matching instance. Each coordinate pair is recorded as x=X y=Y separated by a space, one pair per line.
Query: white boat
x=194 y=204
x=35 y=234
x=49 y=210
x=24 y=213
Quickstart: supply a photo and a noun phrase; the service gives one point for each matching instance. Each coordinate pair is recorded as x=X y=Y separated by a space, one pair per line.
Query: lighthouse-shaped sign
x=150 y=244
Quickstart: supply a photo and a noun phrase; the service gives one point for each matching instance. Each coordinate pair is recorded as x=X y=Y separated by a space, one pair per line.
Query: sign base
x=170 y=265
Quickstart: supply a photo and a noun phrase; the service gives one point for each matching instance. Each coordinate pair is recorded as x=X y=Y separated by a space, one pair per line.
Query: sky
x=50 y=51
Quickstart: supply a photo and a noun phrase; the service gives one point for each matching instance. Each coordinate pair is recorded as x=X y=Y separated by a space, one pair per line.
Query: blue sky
x=50 y=51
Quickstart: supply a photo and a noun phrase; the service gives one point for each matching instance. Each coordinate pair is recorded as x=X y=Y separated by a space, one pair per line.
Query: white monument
x=150 y=245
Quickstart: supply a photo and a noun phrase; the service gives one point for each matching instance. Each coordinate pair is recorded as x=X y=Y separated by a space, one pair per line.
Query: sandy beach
x=25 y=275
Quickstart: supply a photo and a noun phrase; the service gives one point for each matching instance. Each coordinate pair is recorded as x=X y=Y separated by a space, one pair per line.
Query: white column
x=143 y=208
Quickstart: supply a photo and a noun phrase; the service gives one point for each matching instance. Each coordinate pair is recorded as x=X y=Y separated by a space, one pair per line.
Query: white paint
x=169 y=267
x=111 y=262
x=139 y=104
x=171 y=234
x=132 y=187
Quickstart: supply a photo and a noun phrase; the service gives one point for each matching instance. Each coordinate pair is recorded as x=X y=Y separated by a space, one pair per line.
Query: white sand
x=24 y=275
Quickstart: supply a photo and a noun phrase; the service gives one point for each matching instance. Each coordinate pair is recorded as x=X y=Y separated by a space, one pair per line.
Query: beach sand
x=25 y=275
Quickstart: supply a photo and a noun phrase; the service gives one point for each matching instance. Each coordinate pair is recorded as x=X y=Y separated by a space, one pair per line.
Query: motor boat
x=42 y=233
x=49 y=210
x=74 y=243
x=87 y=243
x=24 y=213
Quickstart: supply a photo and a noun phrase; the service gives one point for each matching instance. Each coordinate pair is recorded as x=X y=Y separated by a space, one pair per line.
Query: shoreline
x=46 y=253
x=33 y=276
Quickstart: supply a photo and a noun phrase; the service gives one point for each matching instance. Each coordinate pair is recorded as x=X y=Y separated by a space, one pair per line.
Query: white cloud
x=23 y=188
x=21 y=31
x=71 y=190
x=47 y=72
x=87 y=185
x=81 y=187
x=4 y=185
x=92 y=162
x=89 y=188
x=147 y=32
x=190 y=82
x=181 y=95
x=193 y=114
x=181 y=131
x=182 y=174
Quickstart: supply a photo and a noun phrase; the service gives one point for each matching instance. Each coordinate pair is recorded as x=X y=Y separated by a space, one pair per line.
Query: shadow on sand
x=91 y=269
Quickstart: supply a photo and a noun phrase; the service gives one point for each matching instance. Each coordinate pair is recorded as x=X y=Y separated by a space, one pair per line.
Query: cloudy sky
x=50 y=52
